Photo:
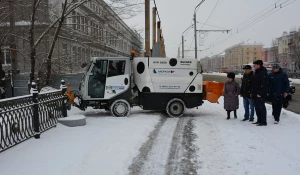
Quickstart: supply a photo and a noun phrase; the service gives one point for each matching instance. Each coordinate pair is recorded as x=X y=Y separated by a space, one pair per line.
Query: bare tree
x=274 y=51
x=126 y=8
x=294 y=49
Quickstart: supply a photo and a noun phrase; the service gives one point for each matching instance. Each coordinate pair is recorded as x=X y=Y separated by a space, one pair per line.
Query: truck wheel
x=120 y=108
x=175 y=107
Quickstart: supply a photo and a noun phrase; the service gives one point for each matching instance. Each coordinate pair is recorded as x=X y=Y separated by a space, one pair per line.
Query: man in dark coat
x=279 y=89
x=259 y=91
x=245 y=93
x=231 y=95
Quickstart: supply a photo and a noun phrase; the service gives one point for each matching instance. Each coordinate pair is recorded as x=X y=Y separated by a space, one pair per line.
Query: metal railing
x=27 y=116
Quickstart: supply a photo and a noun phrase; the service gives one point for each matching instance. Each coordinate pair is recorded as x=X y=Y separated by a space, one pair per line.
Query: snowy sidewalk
x=106 y=145
x=202 y=142
x=236 y=147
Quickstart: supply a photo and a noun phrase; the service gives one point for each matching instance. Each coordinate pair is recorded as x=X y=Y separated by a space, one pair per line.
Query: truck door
x=118 y=77
x=97 y=80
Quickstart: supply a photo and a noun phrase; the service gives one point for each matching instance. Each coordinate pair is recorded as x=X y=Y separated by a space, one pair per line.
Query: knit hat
x=247 y=67
x=276 y=66
x=231 y=75
x=258 y=62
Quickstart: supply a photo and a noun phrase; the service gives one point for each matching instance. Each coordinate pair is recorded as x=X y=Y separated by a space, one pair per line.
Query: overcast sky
x=177 y=15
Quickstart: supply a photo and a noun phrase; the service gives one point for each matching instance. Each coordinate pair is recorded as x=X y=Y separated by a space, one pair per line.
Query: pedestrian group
x=256 y=87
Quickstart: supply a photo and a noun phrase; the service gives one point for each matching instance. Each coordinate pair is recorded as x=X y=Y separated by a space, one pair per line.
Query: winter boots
x=228 y=114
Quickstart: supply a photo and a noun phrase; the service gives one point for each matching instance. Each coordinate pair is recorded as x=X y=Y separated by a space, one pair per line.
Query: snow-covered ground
x=201 y=142
x=236 y=147
x=106 y=145
x=295 y=81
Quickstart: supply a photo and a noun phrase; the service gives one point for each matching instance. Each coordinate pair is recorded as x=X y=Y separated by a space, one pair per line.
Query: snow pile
x=48 y=88
x=295 y=81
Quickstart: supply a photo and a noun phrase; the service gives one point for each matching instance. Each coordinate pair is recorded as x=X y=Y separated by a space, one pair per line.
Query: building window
x=78 y=21
x=74 y=19
x=97 y=31
x=107 y=37
x=65 y=50
x=83 y=56
x=5 y=55
x=79 y=54
x=101 y=34
x=86 y=25
x=74 y=54
x=87 y=51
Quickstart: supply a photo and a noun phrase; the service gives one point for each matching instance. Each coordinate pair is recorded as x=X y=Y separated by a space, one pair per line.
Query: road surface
x=294 y=104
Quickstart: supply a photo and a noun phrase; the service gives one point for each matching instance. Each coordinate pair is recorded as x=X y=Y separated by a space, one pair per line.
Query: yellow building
x=240 y=54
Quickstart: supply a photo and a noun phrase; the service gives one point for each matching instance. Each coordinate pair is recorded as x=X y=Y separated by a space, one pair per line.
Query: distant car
x=292 y=88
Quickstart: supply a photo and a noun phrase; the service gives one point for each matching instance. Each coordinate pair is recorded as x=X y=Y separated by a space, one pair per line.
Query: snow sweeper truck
x=161 y=84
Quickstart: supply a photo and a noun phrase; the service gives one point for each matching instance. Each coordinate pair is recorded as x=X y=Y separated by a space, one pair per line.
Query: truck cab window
x=97 y=80
x=116 y=68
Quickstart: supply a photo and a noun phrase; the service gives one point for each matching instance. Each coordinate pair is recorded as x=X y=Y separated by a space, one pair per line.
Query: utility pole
x=195 y=35
x=153 y=27
x=147 y=27
x=182 y=46
x=195 y=28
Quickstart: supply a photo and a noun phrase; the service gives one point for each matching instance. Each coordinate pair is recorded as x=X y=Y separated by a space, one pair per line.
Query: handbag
x=285 y=103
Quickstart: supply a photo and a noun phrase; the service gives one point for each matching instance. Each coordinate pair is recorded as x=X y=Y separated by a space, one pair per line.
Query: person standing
x=279 y=89
x=259 y=91
x=231 y=95
x=245 y=93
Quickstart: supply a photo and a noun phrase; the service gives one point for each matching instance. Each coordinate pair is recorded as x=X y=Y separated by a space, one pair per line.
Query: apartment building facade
x=213 y=63
x=240 y=54
x=91 y=30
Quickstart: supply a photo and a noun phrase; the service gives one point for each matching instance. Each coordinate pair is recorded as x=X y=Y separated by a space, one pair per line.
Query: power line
x=256 y=14
x=256 y=20
x=243 y=22
x=156 y=10
x=188 y=29
x=210 y=14
x=211 y=25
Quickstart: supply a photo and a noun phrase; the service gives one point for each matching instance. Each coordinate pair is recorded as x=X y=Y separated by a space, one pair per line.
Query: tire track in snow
x=139 y=161
x=169 y=150
x=183 y=157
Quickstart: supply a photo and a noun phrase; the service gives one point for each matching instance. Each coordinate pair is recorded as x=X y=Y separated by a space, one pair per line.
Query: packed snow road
x=169 y=150
x=201 y=142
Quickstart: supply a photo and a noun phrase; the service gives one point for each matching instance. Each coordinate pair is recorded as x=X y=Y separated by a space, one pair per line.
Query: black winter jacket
x=279 y=83
x=260 y=83
x=246 y=85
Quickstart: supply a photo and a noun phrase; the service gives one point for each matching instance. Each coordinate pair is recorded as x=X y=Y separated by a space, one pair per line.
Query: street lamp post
x=182 y=37
x=195 y=28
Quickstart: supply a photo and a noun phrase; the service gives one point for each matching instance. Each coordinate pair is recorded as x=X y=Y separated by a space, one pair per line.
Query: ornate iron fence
x=24 y=117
